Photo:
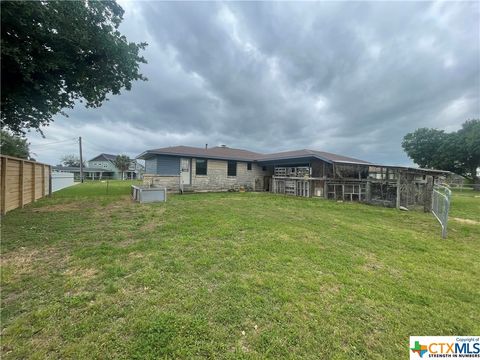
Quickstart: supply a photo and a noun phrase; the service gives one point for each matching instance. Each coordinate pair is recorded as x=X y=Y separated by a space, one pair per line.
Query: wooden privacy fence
x=22 y=182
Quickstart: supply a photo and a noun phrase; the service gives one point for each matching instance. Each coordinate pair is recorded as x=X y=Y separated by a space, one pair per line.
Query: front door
x=266 y=183
x=185 y=171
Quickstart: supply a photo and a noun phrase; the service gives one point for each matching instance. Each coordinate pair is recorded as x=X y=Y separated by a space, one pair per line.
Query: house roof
x=112 y=158
x=306 y=153
x=418 y=169
x=226 y=153
x=217 y=152
x=108 y=157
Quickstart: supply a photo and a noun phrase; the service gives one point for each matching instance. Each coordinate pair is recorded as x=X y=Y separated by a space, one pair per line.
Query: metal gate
x=441 y=205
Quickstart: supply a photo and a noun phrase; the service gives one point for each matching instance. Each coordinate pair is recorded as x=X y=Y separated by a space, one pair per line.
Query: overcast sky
x=345 y=77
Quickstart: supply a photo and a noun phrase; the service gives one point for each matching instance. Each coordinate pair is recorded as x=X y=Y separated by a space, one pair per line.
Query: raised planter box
x=145 y=194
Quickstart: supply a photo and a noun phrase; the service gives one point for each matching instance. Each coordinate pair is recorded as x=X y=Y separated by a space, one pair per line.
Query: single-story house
x=184 y=168
x=307 y=173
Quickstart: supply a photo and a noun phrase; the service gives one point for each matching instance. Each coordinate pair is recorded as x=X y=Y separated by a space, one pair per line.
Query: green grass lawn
x=86 y=274
x=466 y=205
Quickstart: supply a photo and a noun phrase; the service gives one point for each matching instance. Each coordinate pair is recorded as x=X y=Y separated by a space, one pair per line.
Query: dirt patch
x=372 y=263
x=75 y=205
x=84 y=273
x=127 y=242
x=10 y=298
x=122 y=210
x=149 y=226
x=330 y=288
x=125 y=202
x=136 y=255
x=21 y=259
x=24 y=260
x=71 y=206
x=155 y=221
x=466 y=221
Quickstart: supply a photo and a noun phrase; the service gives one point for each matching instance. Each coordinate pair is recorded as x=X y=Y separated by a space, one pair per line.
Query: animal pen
x=389 y=186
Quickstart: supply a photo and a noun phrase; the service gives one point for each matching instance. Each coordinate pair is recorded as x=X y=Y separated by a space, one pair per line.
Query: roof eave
x=293 y=158
x=202 y=156
x=353 y=162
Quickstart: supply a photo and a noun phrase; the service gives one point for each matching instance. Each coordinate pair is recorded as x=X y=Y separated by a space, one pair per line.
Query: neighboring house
x=307 y=173
x=106 y=162
x=103 y=167
x=88 y=172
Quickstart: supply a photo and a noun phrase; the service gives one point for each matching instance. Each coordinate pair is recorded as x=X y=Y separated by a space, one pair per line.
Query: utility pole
x=81 y=158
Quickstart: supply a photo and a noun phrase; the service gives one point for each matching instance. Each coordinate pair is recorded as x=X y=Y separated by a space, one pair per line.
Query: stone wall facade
x=216 y=178
x=172 y=183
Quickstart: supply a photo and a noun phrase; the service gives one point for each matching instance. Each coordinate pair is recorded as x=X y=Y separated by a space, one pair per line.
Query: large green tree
x=55 y=53
x=425 y=147
x=71 y=160
x=13 y=145
x=458 y=151
x=468 y=138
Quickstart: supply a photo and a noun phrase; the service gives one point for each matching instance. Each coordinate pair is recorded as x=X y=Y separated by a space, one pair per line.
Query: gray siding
x=151 y=166
x=168 y=165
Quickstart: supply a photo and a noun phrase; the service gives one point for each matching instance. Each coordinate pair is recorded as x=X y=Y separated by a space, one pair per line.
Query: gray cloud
x=351 y=78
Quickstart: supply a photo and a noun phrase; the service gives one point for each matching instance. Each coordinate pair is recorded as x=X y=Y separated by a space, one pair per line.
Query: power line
x=59 y=141
x=99 y=147
x=53 y=143
x=52 y=146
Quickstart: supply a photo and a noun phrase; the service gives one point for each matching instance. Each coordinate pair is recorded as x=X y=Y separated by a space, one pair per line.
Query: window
x=249 y=166
x=264 y=168
x=232 y=168
x=201 y=166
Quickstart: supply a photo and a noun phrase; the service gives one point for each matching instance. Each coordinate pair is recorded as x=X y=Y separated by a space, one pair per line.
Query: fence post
x=398 y=190
x=33 y=182
x=21 y=182
x=43 y=180
x=4 y=186
x=368 y=192
x=448 y=195
x=49 y=181
x=427 y=195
